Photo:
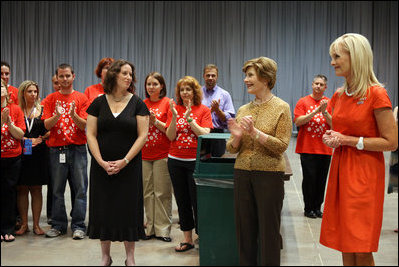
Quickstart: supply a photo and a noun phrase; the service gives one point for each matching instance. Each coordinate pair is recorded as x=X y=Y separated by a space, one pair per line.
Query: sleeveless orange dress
x=354 y=200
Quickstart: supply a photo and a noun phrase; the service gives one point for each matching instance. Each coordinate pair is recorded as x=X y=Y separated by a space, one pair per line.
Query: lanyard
x=30 y=125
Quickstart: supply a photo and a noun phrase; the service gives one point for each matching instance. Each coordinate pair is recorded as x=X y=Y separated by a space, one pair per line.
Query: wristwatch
x=360 y=145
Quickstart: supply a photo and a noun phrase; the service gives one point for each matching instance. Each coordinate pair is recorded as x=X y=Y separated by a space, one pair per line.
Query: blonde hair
x=361 y=59
x=265 y=68
x=21 y=94
x=194 y=84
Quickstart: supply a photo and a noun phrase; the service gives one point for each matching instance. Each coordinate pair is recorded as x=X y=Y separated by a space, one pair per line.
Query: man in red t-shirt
x=312 y=116
x=65 y=117
x=56 y=88
x=5 y=75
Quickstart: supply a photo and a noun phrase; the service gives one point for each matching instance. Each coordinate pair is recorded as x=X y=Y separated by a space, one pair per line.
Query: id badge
x=62 y=158
x=27 y=147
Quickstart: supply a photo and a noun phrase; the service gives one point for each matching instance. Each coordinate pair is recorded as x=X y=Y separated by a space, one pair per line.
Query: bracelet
x=126 y=160
x=257 y=135
x=325 y=112
x=189 y=120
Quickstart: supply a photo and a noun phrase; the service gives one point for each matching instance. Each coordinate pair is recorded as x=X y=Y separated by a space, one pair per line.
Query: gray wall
x=179 y=38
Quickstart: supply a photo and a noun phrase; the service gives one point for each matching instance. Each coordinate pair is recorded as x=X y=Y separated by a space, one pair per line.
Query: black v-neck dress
x=113 y=200
x=34 y=168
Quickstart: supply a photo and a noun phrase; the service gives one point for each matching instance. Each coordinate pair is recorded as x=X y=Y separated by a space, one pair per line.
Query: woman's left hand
x=153 y=118
x=188 y=111
x=332 y=138
x=116 y=166
x=5 y=116
x=247 y=124
x=36 y=141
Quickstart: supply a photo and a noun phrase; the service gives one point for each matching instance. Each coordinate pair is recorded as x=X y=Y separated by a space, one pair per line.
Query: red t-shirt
x=13 y=93
x=10 y=146
x=185 y=144
x=310 y=135
x=65 y=131
x=157 y=145
x=94 y=91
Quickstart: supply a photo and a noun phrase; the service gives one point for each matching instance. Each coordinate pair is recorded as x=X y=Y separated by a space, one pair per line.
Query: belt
x=67 y=147
x=217 y=131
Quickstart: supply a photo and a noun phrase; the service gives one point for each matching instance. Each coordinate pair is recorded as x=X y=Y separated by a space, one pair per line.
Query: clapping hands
x=72 y=109
x=215 y=105
x=153 y=118
x=237 y=129
x=188 y=110
x=172 y=108
x=5 y=116
x=323 y=105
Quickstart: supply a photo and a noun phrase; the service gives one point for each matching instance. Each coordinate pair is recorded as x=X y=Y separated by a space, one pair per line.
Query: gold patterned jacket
x=272 y=118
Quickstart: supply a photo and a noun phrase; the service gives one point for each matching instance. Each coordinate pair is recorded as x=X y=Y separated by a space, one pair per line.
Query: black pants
x=315 y=170
x=217 y=147
x=258 y=201
x=181 y=174
x=10 y=170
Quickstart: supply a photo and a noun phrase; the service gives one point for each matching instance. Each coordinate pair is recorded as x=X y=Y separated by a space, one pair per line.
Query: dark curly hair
x=112 y=73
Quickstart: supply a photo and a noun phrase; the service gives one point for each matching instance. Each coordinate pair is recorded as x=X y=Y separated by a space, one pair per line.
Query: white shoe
x=78 y=234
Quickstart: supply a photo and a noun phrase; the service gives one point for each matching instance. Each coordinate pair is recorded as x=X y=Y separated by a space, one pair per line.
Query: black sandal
x=8 y=236
x=188 y=247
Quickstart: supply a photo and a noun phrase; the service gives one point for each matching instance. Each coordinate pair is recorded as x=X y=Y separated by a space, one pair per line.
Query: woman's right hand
x=153 y=118
x=331 y=139
x=234 y=128
x=107 y=167
x=4 y=116
x=172 y=108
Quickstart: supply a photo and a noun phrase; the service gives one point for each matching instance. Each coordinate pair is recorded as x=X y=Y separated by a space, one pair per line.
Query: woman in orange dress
x=362 y=128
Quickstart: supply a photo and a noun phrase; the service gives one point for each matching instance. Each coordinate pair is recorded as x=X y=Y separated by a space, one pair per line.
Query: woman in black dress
x=117 y=126
x=34 y=165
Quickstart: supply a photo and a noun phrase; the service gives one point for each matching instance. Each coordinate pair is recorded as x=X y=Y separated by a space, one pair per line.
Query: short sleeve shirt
x=10 y=146
x=94 y=91
x=157 y=144
x=65 y=131
x=13 y=93
x=310 y=135
x=185 y=144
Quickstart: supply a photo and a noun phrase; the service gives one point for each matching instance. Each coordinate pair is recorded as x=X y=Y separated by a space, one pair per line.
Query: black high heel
x=110 y=262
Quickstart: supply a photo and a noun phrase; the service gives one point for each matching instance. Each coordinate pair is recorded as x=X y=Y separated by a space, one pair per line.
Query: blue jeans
x=76 y=167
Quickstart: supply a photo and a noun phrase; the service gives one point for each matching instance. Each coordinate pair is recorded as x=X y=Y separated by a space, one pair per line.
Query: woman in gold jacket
x=260 y=134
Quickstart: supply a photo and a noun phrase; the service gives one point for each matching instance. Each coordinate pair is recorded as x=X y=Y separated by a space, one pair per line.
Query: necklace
x=32 y=111
x=348 y=94
x=118 y=100
x=264 y=102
